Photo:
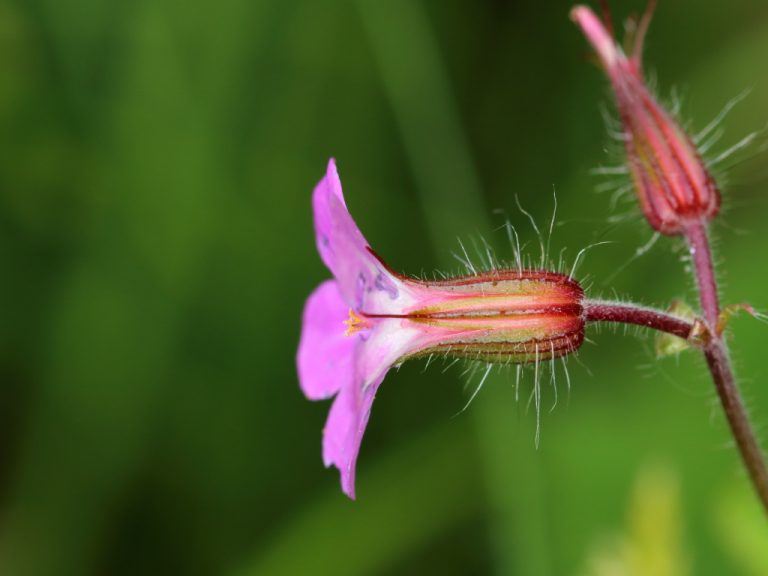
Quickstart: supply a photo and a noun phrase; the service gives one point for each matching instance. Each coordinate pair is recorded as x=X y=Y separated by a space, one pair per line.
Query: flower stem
x=719 y=365
x=701 y=255
x=603 y=311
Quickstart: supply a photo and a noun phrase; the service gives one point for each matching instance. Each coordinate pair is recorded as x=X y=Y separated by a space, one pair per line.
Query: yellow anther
x=354 y=323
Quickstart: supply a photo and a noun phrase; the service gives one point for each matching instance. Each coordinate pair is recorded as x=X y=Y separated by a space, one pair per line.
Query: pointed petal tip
x=348 y=486
x=575 y=13
x=343 y=435
x=346 y=472
x=345 y=428
x=334 y=181
x=596 y=33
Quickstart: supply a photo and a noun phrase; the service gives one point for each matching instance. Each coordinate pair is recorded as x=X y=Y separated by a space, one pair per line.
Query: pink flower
x=674 y=187
x=369 y=318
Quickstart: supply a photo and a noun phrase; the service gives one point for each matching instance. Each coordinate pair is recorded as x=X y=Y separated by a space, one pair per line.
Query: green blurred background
x=156 y=246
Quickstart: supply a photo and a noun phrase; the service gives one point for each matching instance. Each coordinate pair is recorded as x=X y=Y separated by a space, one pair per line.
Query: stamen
x=355 y=323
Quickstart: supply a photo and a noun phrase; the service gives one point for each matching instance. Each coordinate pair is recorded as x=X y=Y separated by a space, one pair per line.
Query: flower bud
x=673 y=185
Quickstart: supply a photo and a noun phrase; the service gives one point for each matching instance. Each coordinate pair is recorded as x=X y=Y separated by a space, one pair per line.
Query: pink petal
x=598 y=36
x=343 y=432
x=332 y=220
x=364 y=283
x=325 y=355
x=344 y=429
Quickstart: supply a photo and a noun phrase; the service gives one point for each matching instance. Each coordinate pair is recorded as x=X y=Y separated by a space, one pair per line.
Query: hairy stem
x=604 y=311
x=701 y=256
x=719 y=365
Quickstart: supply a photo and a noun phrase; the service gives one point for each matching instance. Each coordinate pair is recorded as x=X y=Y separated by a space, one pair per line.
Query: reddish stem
x=719 y=365
x=698 y=243
x=598 y=311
